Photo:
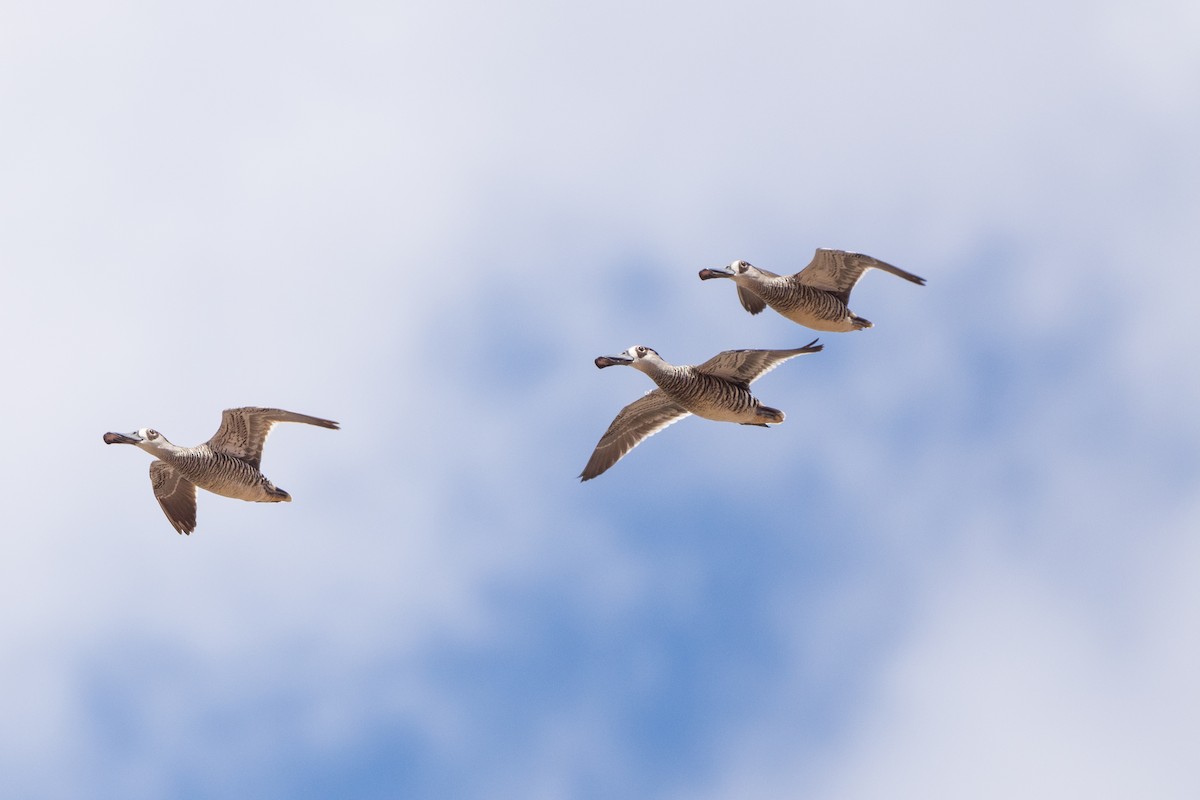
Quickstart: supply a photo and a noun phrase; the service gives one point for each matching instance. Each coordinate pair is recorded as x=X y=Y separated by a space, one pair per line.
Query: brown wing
x=176 y=494
x=837 y=271
x=746 y=366
x=750 y=301
x=244 y=430
x=640 y=419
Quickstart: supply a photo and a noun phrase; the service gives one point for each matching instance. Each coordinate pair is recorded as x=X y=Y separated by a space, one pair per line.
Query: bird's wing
x=640 y=419
x=243 y=430
x=745 y=366
x=750 y=301
x=176 y=494
x=837 y=271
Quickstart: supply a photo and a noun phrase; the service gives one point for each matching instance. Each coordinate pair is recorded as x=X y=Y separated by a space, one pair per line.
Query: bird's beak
x=611 y=361
x=122 y=438
x=719 y=272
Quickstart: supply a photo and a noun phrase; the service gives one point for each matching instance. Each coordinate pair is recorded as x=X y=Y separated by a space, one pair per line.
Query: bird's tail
x=277 y=495
x=768 y=414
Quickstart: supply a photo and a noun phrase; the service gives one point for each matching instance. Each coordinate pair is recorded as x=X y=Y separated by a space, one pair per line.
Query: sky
x=962 y=567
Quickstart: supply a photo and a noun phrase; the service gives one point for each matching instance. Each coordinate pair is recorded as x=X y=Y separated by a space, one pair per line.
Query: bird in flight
x=718 y=389
x=816 y=297
x=227 y=464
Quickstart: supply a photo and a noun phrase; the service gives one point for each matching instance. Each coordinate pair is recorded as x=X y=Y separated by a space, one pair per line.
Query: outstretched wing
x=175 y=494
x=745 y=366
x=243 y=430
x=640 y=419
x=837 y=271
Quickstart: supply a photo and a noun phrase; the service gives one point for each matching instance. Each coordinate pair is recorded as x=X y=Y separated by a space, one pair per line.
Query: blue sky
x=961 y=568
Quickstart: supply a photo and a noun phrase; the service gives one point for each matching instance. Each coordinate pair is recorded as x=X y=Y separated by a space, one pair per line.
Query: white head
x=147 y=439
x=737 y=269
x=639 y=357
x=740 y=267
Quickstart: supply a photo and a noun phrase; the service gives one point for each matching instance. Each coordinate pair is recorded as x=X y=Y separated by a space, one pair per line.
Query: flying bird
x=816 y=297
x=227 y=464
x=718 y=389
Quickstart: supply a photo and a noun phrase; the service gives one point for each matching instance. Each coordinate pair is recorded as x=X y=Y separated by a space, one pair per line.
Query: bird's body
x=227 y=464
x=816 y=297
x=806 y=305
x=718 y=389
x=710 y=396
x=222 y=473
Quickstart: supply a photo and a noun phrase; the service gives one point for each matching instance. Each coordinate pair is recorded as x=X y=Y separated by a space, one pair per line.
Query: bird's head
x=147 y=439
x=639 y=357
x=737 y=269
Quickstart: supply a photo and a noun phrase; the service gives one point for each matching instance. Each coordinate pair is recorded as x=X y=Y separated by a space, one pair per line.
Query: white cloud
x=443 y=213
x=1001 y=682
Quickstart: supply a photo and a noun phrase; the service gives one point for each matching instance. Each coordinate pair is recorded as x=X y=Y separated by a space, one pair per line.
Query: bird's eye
x=641 y=351
x=151 y=434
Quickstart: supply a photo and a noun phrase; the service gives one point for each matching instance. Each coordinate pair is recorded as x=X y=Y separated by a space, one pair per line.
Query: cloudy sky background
x=964 y=567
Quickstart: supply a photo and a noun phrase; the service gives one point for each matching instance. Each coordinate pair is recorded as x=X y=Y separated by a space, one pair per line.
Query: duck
x=718 y=389
x=817 y=296
x=227 y=464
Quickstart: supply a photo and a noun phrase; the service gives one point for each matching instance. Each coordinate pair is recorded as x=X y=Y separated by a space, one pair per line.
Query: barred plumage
x=790 y=297
x=706 y=395
x=220 y=473
x=227 y=464
x=718 y=389
x=816 y=296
